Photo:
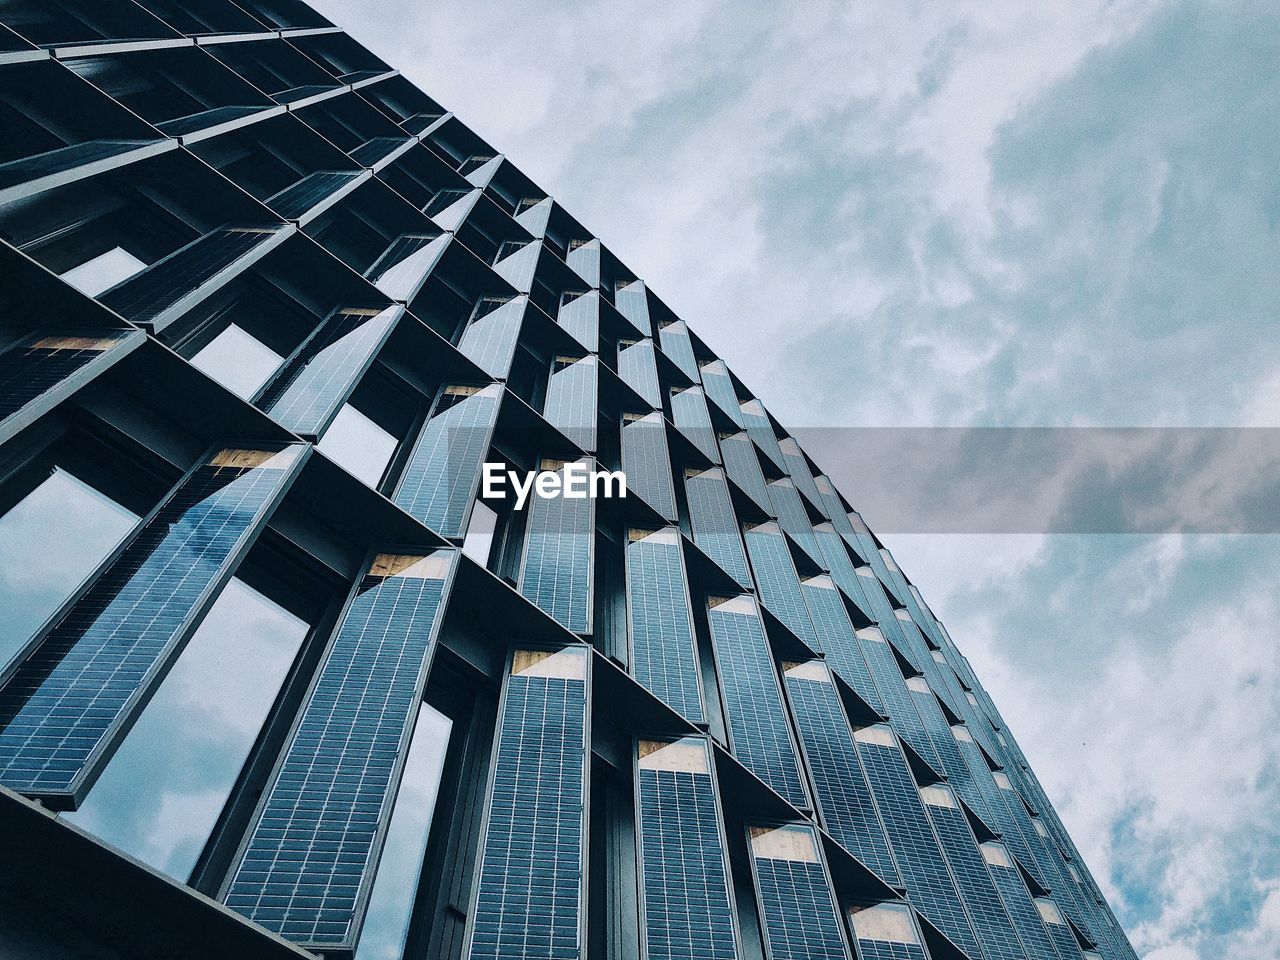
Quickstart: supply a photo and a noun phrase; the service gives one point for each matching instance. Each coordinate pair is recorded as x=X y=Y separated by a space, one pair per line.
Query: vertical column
x=306 y=865
x=664 y=657
x=443 y=472
x=557 y=571
x=840 y=786
x=759 y=733
x=686 y=902
x=66 y=706
x=797 y=908
x=531 y=892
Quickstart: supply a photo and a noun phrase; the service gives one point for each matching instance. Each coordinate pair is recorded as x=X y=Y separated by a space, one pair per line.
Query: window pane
x=479 y=539
x=161 y=794
x=104 y=271
x=395 y=887
x=49 y=542
x=239 y=362
x=358 y=445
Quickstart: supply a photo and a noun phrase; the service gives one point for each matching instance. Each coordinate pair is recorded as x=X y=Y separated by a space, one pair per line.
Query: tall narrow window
x=391 y=904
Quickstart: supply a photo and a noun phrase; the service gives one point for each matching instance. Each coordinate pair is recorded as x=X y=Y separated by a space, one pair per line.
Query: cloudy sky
x=948 y=213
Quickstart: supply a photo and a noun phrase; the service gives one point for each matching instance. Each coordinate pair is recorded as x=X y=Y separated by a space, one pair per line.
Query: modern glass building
x=278 y=679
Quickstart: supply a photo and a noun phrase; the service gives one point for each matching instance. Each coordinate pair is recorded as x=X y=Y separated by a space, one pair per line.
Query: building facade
x=277 y=678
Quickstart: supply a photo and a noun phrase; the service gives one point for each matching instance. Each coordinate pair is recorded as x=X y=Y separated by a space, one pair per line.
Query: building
x=278 y=680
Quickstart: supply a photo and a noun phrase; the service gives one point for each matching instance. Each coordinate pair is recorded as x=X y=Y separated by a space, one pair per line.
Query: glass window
x=104 y=271
x=919 y=684
x=478 y=542
x=1002 y=780
x=996 y=854
x=160 y=796
x=358 y=445
x=884 y=921
x=1048 y=911
x=1075 y=874
x=49 y=542
x=240 y=362
x=391 y=903
x=1040 y=827
x=937 y=795
x=962 y=733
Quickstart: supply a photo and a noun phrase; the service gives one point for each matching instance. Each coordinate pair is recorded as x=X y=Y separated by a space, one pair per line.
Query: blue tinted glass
x=322 y=375
x=63 y=708
x=677 y=344
x=714 y=523
x=743 y=467
x=843 y=798
x=797 y=907
x=837 y=637
x=559 y=547
x=490 y=340
x=405 y=265
x=1016 y=899
x=638 y=368
x=754 y=714
x=686 y=905
x=632 y=302
x=581 y=317
x=646 y=461
x=792 y=517
x=294 y=201
x=532 y=868
x=775 y=572
x=571 y=403
x=146 y=296
x=915 y=847
x=663 y=655
x=443 y=471
x=386 y=923
x=981 y=900
x=689 y=413
x=719 y=386
x=162 y=792
x=308 y=855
